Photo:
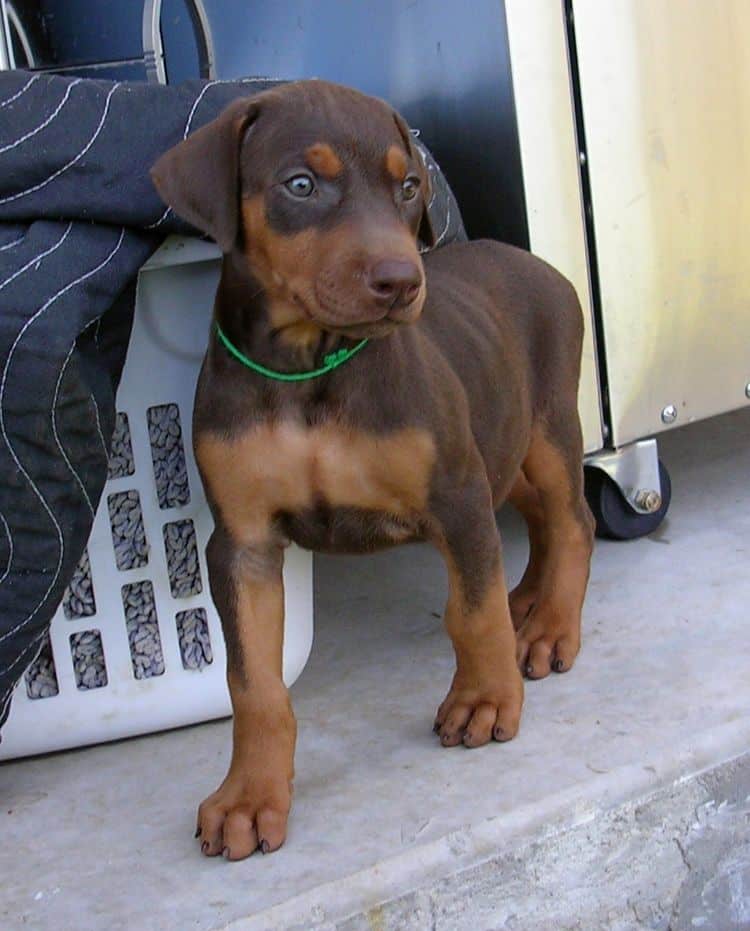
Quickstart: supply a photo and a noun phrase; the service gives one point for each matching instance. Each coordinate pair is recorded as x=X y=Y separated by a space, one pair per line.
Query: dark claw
x=264 y=846
x=558 y=665
x=197 y=831
x=498 y=733
x=436 y=727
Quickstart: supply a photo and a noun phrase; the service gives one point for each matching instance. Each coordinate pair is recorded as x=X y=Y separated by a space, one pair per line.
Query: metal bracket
x=635 y=471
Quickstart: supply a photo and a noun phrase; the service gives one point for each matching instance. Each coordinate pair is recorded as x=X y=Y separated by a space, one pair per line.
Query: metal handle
x=153 y=46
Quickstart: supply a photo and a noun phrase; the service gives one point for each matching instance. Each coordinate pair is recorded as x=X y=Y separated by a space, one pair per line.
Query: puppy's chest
x=318 y=482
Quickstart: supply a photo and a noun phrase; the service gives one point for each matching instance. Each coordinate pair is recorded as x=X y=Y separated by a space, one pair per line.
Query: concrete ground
x=623 y=804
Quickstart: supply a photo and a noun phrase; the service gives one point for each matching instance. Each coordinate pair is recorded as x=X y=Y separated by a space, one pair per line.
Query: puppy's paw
x=475 y=716
x=243 y=816
x=547 y=641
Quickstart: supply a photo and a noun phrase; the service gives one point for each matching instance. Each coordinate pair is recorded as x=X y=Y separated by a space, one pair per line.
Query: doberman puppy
x=463 y=397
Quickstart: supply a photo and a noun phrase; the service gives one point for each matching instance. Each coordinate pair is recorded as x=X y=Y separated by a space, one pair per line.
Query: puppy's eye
x=300 y=185
x=409 y=188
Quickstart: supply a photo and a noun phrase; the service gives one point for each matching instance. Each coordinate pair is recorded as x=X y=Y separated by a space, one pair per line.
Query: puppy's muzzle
x=384 y=290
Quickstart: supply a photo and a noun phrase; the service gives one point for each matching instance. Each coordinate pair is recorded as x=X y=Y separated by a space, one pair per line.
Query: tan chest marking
x=287 y=467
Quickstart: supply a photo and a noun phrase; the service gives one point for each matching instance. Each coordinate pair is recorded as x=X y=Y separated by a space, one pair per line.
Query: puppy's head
x=320 y=191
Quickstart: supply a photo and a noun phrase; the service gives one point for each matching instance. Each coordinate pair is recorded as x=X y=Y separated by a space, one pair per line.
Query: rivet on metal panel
x=669 y=414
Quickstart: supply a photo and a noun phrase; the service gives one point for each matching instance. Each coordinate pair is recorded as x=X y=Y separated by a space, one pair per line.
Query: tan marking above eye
x=323 y=160
x=395 y=163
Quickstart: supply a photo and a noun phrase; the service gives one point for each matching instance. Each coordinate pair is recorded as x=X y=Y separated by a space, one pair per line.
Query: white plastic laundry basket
x=137 y=644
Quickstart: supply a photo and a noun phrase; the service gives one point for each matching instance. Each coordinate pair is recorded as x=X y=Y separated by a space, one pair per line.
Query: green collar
x=330 y=362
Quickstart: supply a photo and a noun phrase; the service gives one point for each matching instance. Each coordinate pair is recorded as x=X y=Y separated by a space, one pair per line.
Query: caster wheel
x=615 y=518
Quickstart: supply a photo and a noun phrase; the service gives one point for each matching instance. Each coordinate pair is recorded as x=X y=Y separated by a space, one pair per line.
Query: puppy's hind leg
x=550 y=636
x=525 y=499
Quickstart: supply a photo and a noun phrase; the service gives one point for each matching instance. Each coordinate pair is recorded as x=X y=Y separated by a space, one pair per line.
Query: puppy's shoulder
x=490 y=264
x=490 y=255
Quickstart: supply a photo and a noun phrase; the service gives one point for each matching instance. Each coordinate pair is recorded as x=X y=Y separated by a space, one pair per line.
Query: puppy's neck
x=273 y=332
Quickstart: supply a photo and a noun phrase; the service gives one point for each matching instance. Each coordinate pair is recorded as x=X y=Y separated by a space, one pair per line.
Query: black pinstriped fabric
x=78 y=217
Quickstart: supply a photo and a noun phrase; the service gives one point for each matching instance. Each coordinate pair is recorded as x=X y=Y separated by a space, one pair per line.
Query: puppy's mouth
x=365 y=318
x=364 y=330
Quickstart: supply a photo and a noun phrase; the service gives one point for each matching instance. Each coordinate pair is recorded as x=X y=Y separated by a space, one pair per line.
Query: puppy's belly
x=347 y=530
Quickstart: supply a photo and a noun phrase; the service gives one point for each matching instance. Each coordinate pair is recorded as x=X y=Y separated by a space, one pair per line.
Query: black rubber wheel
x=615 y=518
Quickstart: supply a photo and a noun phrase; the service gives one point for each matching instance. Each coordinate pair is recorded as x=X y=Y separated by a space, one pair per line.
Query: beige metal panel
x=549 y=155
x=666 y=100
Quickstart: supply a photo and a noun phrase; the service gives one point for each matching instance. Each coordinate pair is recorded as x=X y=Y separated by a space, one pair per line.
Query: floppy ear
x=199 y=178
x=425 y=233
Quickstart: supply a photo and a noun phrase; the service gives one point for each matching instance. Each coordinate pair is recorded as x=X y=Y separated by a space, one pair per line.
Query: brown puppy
x=464 y=397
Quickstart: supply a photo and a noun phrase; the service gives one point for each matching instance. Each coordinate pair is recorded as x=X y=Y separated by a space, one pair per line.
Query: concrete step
x=623 y=803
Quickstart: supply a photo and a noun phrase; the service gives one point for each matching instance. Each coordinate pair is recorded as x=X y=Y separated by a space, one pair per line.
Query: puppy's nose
x=394 y=282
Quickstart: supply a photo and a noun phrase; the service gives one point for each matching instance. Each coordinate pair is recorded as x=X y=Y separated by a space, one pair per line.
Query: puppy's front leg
x=251 y=807
x=486 y=695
